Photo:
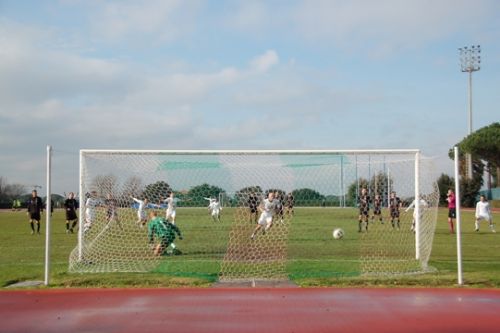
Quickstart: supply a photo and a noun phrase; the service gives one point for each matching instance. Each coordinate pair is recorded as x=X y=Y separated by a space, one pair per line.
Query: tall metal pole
x=459 y=219
x=470 y=102
x=468 y=156
x=47 y=216
x=82 y=202
x=470 y=61
x=417 y=206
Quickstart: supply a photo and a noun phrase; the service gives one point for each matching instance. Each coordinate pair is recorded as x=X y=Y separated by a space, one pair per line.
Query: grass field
x=310 y=248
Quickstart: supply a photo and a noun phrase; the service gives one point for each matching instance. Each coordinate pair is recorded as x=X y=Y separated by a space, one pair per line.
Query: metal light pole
x=470 y=61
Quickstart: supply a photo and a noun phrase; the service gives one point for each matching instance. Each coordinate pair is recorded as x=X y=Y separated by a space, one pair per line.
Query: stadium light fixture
x=470 y=61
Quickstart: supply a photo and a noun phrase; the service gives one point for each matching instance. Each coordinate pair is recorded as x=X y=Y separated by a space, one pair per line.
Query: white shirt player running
x=141 y=211
x=90 y=211
x=215 y=209
x=172 y=205
x=483 y=212
x=422 y=206
x=268 y=208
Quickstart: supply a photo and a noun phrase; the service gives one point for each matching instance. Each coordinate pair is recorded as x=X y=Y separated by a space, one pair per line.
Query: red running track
x=250 y=310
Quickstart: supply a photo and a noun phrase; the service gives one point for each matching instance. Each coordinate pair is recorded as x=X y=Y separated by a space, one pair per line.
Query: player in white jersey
x=267 y=209
x=422 y=206
x=210 y=200
x=483 y=212
x=142 y=217
x=91 y=205
x=171 y=208
x=214 y=208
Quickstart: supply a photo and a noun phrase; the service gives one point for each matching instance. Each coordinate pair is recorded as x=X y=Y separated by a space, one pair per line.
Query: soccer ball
x=338 y=233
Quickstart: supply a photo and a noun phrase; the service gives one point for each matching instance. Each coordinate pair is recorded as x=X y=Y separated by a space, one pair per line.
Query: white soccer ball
x=338 y=233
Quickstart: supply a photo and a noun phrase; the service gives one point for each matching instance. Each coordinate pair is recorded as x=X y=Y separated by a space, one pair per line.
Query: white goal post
x=316 y=190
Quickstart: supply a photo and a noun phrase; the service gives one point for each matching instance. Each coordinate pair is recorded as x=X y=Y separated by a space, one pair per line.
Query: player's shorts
x=364 y=211
x=170 y=214
x=452 y=213
x=420 y=216
x=395 y=213
x=71 y=215
x=377 y=211
x=265 y=218
x=216 y=212
x=89 y=216
x=35 y=216
x=484 y=217
x=142 y=215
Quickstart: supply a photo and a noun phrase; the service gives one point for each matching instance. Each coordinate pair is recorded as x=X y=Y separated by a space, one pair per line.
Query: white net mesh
x=315 y=193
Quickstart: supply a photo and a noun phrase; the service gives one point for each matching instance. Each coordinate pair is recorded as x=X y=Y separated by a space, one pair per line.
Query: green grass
x=314 y=258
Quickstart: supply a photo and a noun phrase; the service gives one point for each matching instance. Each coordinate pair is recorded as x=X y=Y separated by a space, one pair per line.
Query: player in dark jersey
x=253 y=203
x=290 y=203
x=35 y=209
x=394 y=206
x=71 y=205
x=280 y=207
x=364 y=209
x=112 y=210
x=377 y=208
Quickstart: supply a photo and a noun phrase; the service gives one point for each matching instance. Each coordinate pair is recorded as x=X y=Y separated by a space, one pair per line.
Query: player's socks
x=38 y=228
x=359 y=226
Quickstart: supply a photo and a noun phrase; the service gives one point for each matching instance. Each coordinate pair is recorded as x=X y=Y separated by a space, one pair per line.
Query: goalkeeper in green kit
x=163 y=231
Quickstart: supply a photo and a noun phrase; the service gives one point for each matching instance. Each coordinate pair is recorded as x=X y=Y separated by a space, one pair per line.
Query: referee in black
x=35 y=209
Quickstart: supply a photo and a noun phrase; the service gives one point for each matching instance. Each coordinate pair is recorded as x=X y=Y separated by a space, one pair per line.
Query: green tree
x=197 y=194
x=484 y=145
x=444 y=183
x=469 y=187
x=308 y=197
x=376 y=185
x=241 y=196
x=154 y=192
x=353 y=191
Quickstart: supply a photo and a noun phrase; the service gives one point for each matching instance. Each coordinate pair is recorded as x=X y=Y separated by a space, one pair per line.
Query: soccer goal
x=313 y=192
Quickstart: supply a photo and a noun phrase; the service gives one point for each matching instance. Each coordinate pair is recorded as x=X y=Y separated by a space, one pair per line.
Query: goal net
x=314 y=193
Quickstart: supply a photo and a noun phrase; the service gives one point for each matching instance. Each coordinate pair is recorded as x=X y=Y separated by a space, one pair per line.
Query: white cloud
x=156 y=20
x=378 y=28
x=387 y=23
x=248 y=16
x=264 y=62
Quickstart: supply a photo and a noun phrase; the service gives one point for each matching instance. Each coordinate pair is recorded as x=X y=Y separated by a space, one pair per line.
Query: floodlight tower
x=470 y=61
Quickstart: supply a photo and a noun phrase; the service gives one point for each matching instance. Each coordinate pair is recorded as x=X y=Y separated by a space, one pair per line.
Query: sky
x=199 y=74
